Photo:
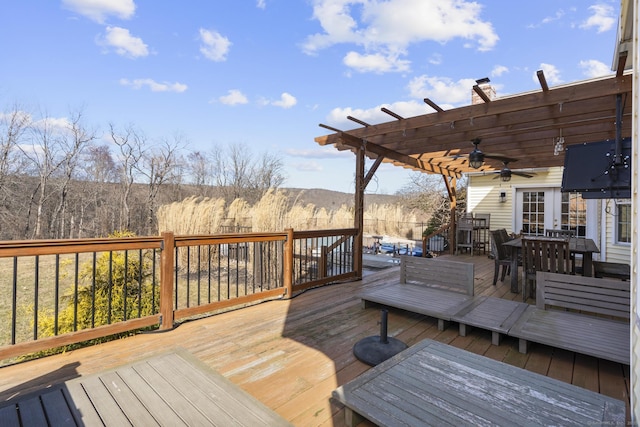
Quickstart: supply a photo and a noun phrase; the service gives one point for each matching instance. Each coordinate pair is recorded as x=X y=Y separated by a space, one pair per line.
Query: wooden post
x=288 y=264
x=167 y=263
x=453 y=202
x=359 y=212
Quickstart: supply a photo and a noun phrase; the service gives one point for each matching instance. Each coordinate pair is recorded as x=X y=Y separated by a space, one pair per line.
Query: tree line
x=62 y=178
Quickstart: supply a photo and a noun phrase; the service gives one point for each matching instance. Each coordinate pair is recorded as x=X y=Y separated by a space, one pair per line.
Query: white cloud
x=234 y=97
x=376 y=63
x=154 y=86
x=549 y=19
x=286 y=101
x=308 y=166
x=442 y=90
x=99 y=10
x=124 y=43
x=214 y=45
x=593 y=68
x=261 y=4
x=499 y=70
x=551 y=74
x=317 y=153
x=436 y=59
x=338 y=116
x=387 y=29
x=602 y=18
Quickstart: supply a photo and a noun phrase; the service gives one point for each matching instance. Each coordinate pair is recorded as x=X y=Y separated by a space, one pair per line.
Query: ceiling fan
x=505 y=173
x=476 y=160
x=476 y=157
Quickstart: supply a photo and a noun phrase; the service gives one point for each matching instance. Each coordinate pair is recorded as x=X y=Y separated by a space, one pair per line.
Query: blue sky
x=265 y=73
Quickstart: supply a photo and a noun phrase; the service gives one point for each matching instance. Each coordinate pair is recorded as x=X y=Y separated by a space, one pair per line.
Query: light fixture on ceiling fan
x=505 y=173
x=476 y=157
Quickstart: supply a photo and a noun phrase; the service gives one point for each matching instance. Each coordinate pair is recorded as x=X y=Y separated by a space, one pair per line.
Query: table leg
x=514 y=270
x=587 y=264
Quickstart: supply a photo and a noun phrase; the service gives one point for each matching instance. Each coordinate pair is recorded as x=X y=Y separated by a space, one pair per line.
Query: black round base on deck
x=373 y=351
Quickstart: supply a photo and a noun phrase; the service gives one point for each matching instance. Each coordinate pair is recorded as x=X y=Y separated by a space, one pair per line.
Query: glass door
x=538 y=209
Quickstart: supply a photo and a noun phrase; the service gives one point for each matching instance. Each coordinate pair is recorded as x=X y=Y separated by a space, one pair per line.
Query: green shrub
x=121 y=290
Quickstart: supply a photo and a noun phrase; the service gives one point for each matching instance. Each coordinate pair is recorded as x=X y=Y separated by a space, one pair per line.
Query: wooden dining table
x=577 y=245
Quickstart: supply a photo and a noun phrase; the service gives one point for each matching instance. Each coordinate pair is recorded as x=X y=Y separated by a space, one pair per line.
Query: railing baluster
x=36 y=297
x=188 y=270
x=199 y=272
x=153 y=279
x=140 y=271
x=124 y=285
x=76 y=286
x=110 y=285
x=209 y=273
x=14 y=302
x=175 y=280
x=93 y=289
x=56 y=295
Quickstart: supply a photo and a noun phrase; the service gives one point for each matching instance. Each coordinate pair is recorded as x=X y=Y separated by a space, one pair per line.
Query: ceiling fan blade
x=500 y=157
x=522 y=174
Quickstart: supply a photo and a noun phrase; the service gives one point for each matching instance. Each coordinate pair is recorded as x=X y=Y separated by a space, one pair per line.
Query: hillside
x=332 y=200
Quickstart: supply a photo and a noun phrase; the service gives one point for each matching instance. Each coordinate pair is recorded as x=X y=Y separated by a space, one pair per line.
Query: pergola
x=523 y=127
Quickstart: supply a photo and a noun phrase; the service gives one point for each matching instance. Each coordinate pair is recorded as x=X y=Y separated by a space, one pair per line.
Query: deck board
x=291 y=354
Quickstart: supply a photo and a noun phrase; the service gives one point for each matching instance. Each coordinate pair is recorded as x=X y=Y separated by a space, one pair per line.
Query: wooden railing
x=445 y=229
x=56 y=293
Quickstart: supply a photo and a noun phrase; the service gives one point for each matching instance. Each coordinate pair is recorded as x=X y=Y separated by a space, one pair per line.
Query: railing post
x=288 y=264
x=167 y=263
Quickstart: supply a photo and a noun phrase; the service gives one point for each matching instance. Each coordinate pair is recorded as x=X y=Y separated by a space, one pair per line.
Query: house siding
x=483 y=197
x=483 y=194
x=613 y=252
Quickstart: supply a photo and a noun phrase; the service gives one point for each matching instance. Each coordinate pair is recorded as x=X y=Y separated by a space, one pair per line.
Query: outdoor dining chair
x=465 y=235
x=501 y=255
x=543 y=254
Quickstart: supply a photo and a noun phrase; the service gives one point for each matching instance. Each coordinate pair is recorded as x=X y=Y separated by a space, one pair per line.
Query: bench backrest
x=588 y=294
x=436 y=273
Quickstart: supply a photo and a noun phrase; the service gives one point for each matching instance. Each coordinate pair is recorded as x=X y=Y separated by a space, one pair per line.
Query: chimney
x=486 y=88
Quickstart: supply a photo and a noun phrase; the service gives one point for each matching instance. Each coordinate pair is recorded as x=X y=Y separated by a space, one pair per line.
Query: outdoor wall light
x=502 y=197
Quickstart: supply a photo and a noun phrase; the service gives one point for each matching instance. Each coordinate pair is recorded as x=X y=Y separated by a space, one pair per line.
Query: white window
x=623 y=221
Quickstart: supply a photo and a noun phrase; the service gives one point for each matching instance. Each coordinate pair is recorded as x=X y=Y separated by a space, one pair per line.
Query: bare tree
x=43 y=154
x=100 y=176
x=198 y=166
x=130 y=143
x=75 y=140
x=159 y=166
x=238 y=173
x=13 y=125
x=428 y=194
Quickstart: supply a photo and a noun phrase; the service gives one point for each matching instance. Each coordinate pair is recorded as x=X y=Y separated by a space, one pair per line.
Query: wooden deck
x=292 y=354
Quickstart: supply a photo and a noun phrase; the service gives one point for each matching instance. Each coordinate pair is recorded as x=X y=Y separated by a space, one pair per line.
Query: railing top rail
x=322 y=233
x=67 y=246
x=195 y=240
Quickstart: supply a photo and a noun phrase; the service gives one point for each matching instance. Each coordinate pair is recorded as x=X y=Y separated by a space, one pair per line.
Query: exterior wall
x=483 y=194
x=483 y=197
x=612 y=251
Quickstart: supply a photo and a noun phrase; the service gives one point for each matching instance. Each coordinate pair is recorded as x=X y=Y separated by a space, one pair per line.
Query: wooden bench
x=429 y=286
x=432 y=383
x=583 y=314
x=616 y=270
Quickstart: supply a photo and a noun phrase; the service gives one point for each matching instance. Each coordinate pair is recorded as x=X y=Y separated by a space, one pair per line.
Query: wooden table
x=433 y=383
x=577 y=245
x=170 y=389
